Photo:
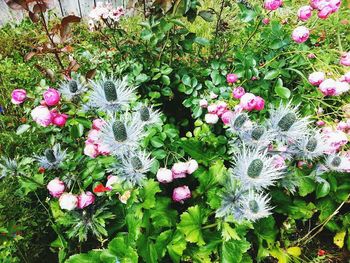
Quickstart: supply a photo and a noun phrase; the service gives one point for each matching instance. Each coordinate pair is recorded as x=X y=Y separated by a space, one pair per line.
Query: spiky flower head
x=8 y=166
x=110 y=94
x=52 y=158
x=121 y=135
x=255 y=169
x=309 y=146
x=133 y=168
x=148 y=115
x=255 y=206
x=337 y=163
x=72 y=88
x=257 y=136
x=239 y=122
x=286 y=123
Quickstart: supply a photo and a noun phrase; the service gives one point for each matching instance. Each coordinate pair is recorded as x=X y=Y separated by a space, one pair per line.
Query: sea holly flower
x=147 y=115
x=56 y=187
x=181 y=193
x=18 y=96
x=304 y=13
x=133 y=168
x=239 y=122
x=164 y=175
x=231 y=204
x=255 y=169
x=337 y=163
x=309 y=146
x=256 y=136
x=286 y=123
x=51 y=97
x=68 y=201
x=316 y=78
x=111 y=94
x=72 y=88
x=300 y=34
x=52 y=158
x=42 y=116
x=85 y=199
x=255 y=206
x=272 y=4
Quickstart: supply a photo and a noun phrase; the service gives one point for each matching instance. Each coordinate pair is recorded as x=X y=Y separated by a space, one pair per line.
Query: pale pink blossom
x=231 y=78
x=272 y=4
x=211 y=118
x=213 y=95
x=18 y=96
x=56 y=187
x=192 y=166
x=179 y=170
x=227 y=116
x=221 y=108
x=248 y=101
x=316 y=78
x=181 y=193
x=85 y=199
x=345 y=59
x=203 y=103
x=111 y=180
x=300 y=34
x=328 y=87
x=164 y=175
x=91 y=150
x=278 y=161
x=266 y=21
x=212 y=108
x=68 y=201
x=238 y=92
x=97 y=124
x=41 y=115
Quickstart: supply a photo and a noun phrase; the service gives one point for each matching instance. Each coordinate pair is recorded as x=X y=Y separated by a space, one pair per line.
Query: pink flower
x=51 y=97
x=311 y=55
x=248 y=101
x=342 y=126
x=345 y=59
x=181 y=193
x=278 y=161
x=212 y=108
x=266 y=21
x=320 y=123
x=97 y=124
x=325 y=12
x=91 y=150
x=85 y=199
x=334 y=140
x=203 y=103
x=238 y=92
x=111 y=180
x=227 y=116
x=192 y=166
x=260 y=103
x=328 y=87
x=93 y=136
x=56 y=187
x=341 y=87
x=316 y=78
x=221 y=108
x=272 y=4
x=213 y=95
x=346 y=77
x=179 y=170
x=59 y=119
x=304 y=13
x=211 y=118
x=300 y=34
x=231 y=78
x=68 y=201
x=102 y=149
x=41 y=115
x=18 y=96
x=164 y=175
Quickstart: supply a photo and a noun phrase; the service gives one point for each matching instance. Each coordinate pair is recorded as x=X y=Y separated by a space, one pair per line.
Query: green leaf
x=22 y=129
x=92 y=256
x=322 y=189
x=202 y=41
x=306 y=185
x=232 y=251
x=191 y=225
x=272 y=74
x=156 y=142
x=186 y=80
x=282 y=91
x=148 y=192
x=165 y=80
x=177 y=246
x=207 y=15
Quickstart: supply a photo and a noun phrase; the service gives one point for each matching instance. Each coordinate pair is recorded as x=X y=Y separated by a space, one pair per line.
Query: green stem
x=210 y=226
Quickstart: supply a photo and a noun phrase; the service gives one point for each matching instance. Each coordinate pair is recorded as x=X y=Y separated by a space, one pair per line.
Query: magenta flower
x=328 y=87
x=304 y=13
x=272 y=4
x=85 y=199
x=231 y=78
x=56 y=187
x=266 y=21
x=18 y=96
x=316 y=78
x=300 y=34
x=260 y=103
x=51 y=97
x=58 y=119
x=227 y=116
x=238 y=92
x=181 y=193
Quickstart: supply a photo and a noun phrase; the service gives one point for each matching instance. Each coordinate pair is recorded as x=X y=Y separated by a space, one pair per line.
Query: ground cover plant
x=176 y=131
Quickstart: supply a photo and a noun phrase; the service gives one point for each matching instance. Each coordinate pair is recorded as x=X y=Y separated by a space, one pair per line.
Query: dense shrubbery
x=193 y=131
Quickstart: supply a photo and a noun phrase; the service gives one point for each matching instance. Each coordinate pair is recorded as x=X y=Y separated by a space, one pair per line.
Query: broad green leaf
x=92 y=256
x=232 y=251
x=177 y=246
x=282 y=91
x=272 y=74
x=148 y=194
x=322 y=189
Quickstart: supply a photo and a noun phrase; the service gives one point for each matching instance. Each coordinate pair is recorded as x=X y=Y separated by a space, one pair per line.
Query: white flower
x=68 y=201
x=164 y=175
x=211 y=118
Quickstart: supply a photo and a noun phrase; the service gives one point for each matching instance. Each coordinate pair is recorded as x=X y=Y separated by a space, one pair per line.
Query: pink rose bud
x=272 y=4
x=41 y=115
x=266 y=21
x=342 y=126
x=213 y=95
x=231 y=78
x=179 y=170
x=18 y=96
x=335 y=5
x=328 y=87
x=260 y=103
x=316 y=78
x=85 y=199
x=203 y=103
x=221 y=108
x=91 y=150
x=97 y=124
x=238 y=92
x=164 y=175
x=227 y=116
x=68 y=201
x=59 y=120
x=111 y=180
x=181 y=193
x=211 y=118
x=51 y=97
x=345 y=59
x=304 y=13
x=212 y=108
x=346 y=77
x=325 y=12
x=192 y=166
x=320 y=123
x=248 y=101
x=56 y=187
x=341 y=87
x=311 y=55
x=300 y=34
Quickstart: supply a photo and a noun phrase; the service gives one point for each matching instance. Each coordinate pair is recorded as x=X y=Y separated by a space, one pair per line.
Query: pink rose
x=341 y=87
x=192 y=166
x=181 y=193
x=164 y=175
x=103 y=149
x=97 y=124
x=272 y=4
x=259 y=103
x=211 y=118
x=300 y=34
x=91 y=150
x=266 y=21
x=304 y=13
x=212 y=108
x=51 y=97
x=231 y=78
x=316 y=78
x=320 y=123
x=346 y=77
x=68 y=201
x=248 y=101
x=42 y=116
x=345 y=59
x=59 y=119
x=221 y=108
x=342 y=126
x=93 y=136
x=85 y=199
x=111 y=180
x=56 y=187
x=328 y=87
x=179 y=170
x=325 y=12
x=238 y=92
x=18 y=96
x=334 y=140
x=203 y=103
x=227 y=116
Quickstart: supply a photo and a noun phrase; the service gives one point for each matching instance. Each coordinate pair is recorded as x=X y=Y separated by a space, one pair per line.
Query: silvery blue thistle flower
x=255 y=206
x=239 y=122
x=337 y=163
x=111 y=94
x=257 y=136
x=7 y=166
x=133 y=168
x=52 y=158
x=255 y=169
x=147 y=115
x=286 y=123
x=122 y=135
x=309 y=146
x=71 y=88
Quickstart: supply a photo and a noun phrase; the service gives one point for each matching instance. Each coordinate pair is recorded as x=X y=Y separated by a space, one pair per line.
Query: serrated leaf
x=191 y=225
x=148 y=192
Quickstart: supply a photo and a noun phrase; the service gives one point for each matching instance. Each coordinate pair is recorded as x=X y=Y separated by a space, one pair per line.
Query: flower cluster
x=93 y=145
x=179 y=170
x=104 y=13
x=330 y=87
